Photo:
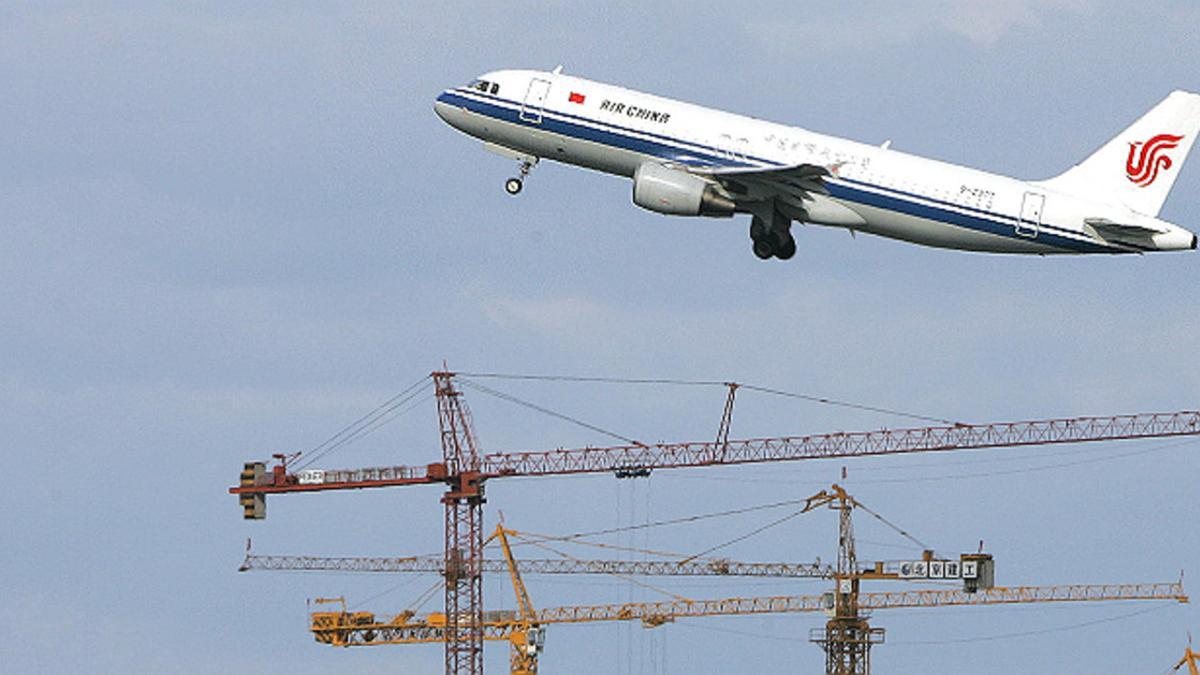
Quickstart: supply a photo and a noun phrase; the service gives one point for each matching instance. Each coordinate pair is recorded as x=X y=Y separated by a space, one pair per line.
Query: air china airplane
x=688 y=160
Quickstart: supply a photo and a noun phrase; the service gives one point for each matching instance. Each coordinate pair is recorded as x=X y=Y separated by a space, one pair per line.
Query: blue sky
x=229 y=231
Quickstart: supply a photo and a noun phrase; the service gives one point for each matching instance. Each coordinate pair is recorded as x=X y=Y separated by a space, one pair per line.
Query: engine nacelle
x=677 y=193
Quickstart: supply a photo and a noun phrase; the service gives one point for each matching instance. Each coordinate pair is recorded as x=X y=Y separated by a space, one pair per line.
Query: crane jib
x=790 y=448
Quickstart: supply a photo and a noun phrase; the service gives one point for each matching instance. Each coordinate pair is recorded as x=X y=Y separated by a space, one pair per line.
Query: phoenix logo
x=1148 y=158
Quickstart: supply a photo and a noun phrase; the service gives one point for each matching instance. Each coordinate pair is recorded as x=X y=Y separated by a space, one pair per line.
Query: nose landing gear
x=513 y=185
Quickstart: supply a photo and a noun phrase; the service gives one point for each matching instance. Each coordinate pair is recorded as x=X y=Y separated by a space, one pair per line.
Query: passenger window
x=495 y=88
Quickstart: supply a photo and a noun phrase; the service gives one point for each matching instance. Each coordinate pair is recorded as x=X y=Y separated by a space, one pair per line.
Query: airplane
x=688 y=160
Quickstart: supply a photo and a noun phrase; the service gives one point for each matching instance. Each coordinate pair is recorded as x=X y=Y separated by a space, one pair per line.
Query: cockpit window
x=484 y=86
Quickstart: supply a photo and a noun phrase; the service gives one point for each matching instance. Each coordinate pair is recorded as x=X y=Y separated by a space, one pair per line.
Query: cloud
x=871 y=25
x=988 y=21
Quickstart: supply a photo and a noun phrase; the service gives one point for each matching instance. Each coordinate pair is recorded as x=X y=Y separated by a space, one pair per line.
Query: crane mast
x=526 y=642
x=1191 y=659
x=848 y=636
x=463 y=533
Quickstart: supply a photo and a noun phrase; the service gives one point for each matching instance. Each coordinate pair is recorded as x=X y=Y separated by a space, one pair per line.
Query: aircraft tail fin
x=1140 y=165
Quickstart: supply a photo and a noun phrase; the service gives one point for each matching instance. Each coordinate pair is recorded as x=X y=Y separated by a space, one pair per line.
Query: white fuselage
x=872 y=189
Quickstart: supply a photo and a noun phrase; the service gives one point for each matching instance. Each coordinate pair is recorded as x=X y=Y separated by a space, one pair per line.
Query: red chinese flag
x=576 y=97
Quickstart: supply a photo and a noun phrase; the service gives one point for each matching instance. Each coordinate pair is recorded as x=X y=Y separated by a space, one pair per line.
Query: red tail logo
x=1147 y=159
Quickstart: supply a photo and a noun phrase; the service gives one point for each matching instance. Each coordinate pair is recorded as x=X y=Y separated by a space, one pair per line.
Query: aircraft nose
x=442 y=107
x=1193 y=242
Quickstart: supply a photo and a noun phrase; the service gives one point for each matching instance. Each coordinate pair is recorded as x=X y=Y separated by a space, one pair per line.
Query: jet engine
x=677 y=193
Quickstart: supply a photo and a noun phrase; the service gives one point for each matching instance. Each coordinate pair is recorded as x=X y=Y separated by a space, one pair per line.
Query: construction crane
x=1190 y=658
x=350 y=629
x=714 y=567
x=464 y=470
x=847 y=637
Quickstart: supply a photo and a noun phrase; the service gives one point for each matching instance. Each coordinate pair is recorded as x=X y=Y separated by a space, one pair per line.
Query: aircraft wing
x=793 y=183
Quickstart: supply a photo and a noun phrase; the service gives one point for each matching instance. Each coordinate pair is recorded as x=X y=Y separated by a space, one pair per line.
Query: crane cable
x=812 y=398
x=372 y=420
x=425 y=596
x=595 y=544
x=546 y=411
x=888 y=523
x=675 y=521
x=1166 y=445
x=390 y=415
x=847 y=404
x=392 y=589
x=985 y=638
x=527 y=538
x=626 y=577
x=746 y=536
x=386 y=411
x=1043 y=631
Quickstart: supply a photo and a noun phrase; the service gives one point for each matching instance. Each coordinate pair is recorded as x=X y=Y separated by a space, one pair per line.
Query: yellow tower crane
x=1190 y=658
x=353 y=629
x=527 y=637
x=846 y=638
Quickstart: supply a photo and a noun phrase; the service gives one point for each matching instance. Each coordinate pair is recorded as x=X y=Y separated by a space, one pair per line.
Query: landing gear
x=513 y=185
x=772 y=242
x=764 y=248
x=787 y=249
x=758 y=228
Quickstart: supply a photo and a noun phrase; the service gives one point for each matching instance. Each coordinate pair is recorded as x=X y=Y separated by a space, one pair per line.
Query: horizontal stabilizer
x=1122 y=232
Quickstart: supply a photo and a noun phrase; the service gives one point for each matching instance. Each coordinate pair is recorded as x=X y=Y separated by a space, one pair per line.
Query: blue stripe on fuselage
x=842 y=190
x=657 y=145
x=701 y=156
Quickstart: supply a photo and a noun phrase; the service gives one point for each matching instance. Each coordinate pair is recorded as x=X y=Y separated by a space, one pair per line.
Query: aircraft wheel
x=787 y=249
x=764 y=248
x=758 y=228
x=512 y=186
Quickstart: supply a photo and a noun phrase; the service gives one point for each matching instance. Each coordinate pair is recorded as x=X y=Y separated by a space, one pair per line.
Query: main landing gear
x=513 y=185
x=771 y=242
